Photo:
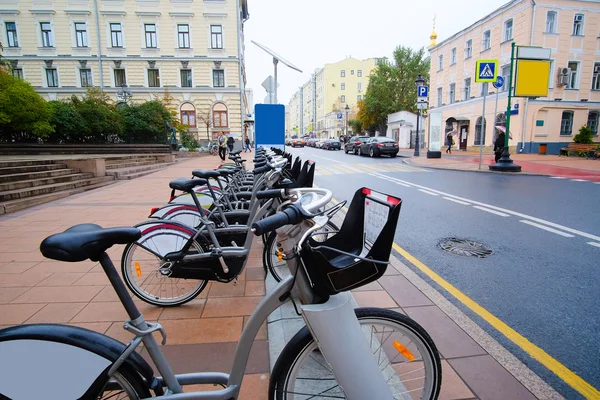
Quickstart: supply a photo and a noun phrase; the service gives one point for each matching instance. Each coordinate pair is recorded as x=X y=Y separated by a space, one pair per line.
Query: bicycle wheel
x=406 y=354
x=214 y=150
x=279 y=269
x=125 y=384
x=157 y=287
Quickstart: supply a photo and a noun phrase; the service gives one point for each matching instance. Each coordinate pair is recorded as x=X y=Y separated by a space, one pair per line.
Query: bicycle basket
x=350 y=259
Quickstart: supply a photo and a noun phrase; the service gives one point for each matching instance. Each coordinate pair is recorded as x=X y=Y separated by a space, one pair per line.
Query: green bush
x=188 y=140
x=145 y=123
x=69 y=125
x=584 y=136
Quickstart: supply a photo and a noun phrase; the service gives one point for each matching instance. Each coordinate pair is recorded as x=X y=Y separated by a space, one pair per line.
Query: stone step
x=43 y=181
x=136 y=171
x=117 y=160
x=22 y=163
x=30 y=168
x=128 y=164
x=46 y=189
x=20 y=204
x=37 y=175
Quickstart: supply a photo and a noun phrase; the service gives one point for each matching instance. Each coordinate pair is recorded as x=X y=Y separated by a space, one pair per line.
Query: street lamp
x=347 y=109
x=419 y=82
x=124 y=93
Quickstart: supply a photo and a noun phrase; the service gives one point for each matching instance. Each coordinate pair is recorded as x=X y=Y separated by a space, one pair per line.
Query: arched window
x=188 y=114
x=566 y=123
x=220 y=117
x=479 y=132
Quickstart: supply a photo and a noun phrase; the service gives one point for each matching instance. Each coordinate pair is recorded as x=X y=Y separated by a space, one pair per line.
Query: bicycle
x=213 y=148
x=322 y=275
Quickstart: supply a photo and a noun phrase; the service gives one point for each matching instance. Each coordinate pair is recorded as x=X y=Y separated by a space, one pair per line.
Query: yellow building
x=327 y=94
x=570 y=28
x=193 y=48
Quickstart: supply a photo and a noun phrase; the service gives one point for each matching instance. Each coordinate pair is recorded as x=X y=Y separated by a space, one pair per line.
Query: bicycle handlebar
x=290 y=216
x=271 y=194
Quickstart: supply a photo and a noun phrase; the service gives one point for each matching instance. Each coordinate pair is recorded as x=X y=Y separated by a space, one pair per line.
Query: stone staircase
x=26 y=183
x=134 y=166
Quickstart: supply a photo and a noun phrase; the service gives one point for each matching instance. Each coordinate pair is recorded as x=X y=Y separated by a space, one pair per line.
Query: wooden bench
x=591 y=150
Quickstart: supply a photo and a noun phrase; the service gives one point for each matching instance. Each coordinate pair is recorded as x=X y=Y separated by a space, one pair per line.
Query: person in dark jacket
x=449 y=142
x=230 y=142
x=499 y=146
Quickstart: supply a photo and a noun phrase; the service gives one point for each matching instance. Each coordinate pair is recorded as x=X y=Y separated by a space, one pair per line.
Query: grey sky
x=310 y=33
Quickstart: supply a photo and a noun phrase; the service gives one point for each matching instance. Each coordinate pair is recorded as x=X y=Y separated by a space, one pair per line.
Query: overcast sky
x=310 y=33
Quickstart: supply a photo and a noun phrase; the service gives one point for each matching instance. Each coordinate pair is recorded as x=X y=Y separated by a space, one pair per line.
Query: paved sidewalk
x=532 y=164
x=202 y=335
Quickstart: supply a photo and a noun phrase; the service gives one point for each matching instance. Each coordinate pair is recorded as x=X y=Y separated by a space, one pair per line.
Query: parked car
x=311 y=142
x=297 y=143
x=352 y=145
x=331 y=144
x=379 y=146
x=319 y=143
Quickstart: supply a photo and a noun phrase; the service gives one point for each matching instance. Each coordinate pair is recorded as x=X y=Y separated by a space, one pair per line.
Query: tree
x=105 y=124
x=584 y=136
x=392 y=87
x=24 y=115
x=168 y=102
x=355 y=125
x=205 y=117
x=145 y=122
x=4 y=63
x=337 y=105
x=69 y=126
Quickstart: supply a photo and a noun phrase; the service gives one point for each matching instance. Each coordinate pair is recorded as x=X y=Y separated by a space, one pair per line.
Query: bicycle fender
x=51 y=352
x=169 y=209
x=206 y=201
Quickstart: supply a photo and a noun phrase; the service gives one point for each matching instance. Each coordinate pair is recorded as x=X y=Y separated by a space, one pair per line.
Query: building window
x=218 y=78
x=352 y=72
x=505 y=73
x=153 y=78
x=359 y=85
x=439 y=97
x=216 y=36
x=566 y=123
x=359 y=73
x=578 y=25
x=220 y=119
x=81 y=34
x=11 y=34
x=85 y=76
x=508 y=30
x=453 y=56
x=52 y=77
x=183 y=36
x=487 y=40
x=596 y=77
x=116 y=35
x=343 y=87
x=343 y=73
x=150 y=30
x=592 y=122
x=186 y=77
x=452 y=93
x=120 y=79
x=188 y=117
x=479 y=132
x=343 y=98
x=17 y=73
x=468 y=49
x=551 y=22
x=573 y=71
x=467 y=89
x=441 y=62
x=46 y=34
x=359 y=97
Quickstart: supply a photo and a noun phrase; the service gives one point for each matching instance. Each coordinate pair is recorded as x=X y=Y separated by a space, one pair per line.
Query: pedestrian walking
x=230 y=142
x=499 y=146
x=449 y=142
x=247 y=145
x=222 y=146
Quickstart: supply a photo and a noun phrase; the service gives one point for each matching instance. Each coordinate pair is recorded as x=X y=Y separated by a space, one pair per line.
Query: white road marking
x=389 y=179
x=428 y=192
x=330 y=159
x=457 y=201
x=561 y=233
x=517 y=214
x=579 y=180
x=594 y=244
x=558 y=177
x=491 y=211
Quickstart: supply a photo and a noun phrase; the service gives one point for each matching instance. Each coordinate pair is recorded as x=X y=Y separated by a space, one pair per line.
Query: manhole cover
x=464 y=247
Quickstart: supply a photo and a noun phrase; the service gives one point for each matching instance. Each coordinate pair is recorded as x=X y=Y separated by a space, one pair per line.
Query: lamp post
x=347 y=109
x=419 y=82
x=124 y=93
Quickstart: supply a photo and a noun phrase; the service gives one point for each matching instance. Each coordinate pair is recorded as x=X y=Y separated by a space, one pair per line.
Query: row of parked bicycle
x=204 y=233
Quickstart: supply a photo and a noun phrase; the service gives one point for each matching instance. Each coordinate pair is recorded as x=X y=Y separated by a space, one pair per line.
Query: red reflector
x=393 y=201
x=153 y=210
x=366 y=191
x=379 y=144
x=358 y=143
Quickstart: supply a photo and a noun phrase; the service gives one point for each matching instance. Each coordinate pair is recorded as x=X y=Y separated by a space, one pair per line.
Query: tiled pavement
x=202 y=335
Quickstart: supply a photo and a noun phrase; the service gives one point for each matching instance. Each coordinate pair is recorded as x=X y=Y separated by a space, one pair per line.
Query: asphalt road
x=542 y=280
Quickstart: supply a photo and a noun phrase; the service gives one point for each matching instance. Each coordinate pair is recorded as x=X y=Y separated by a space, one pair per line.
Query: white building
x=402 y=126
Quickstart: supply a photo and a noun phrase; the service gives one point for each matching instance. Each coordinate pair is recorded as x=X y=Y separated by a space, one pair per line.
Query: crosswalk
x=340 y=169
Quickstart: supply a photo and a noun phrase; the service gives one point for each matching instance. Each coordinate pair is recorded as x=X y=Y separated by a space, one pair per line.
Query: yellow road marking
x=537 y=353
x=345 y=169
x=324 y=171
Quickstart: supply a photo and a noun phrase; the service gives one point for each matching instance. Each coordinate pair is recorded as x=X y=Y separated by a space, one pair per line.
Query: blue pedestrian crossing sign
x=486 y=71
x=422 y=91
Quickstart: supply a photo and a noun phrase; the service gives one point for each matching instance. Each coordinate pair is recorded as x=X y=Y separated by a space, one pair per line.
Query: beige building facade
x=327 y=93
x=570 y=28
x=192 y=48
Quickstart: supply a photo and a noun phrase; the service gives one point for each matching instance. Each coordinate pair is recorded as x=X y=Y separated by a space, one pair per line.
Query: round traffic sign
x=499 y=82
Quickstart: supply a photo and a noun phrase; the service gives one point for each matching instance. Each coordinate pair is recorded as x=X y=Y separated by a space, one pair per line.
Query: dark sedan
x=353 y=144
x=379 y=146
x=331 y=144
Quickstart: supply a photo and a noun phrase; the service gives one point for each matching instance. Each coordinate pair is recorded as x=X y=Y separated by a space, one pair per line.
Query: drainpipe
x=525 y=115
x=241 y=69
x=99 y=45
